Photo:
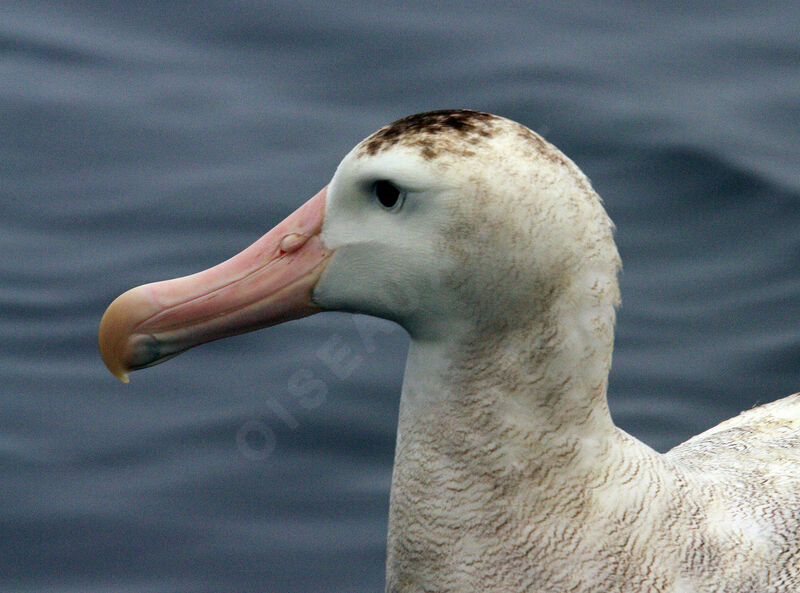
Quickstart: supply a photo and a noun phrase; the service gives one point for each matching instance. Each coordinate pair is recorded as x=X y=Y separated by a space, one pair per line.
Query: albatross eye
x=387 y=194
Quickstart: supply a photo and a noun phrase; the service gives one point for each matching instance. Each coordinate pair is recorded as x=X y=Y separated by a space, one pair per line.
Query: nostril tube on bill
x=292 y=242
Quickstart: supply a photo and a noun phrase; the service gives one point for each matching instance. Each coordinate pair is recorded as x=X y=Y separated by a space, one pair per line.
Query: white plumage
x=510 y=476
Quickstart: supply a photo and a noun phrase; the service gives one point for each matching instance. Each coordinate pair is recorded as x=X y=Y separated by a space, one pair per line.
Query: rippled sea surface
x=147 y=140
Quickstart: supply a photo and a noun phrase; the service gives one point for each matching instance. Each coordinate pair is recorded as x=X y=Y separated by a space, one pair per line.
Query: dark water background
x=146 y=140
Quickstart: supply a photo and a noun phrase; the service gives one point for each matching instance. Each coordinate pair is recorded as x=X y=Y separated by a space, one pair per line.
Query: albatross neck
x=528 y=390
x=505 y=451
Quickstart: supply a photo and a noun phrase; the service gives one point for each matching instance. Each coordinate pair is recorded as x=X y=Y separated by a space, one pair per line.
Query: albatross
x=492 y=250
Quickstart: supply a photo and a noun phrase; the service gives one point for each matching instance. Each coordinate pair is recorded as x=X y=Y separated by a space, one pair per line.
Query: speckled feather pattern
x=510 y=475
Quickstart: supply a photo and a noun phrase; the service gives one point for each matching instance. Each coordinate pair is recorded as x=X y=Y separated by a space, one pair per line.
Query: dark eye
x=387 y=194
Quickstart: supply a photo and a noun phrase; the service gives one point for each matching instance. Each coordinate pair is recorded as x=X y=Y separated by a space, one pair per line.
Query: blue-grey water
x=147 y=140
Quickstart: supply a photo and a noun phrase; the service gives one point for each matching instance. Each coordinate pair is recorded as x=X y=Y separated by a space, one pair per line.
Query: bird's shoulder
x=763 y=439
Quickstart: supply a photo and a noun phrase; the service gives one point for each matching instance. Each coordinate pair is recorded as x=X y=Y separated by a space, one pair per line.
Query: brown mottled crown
x=430 y=131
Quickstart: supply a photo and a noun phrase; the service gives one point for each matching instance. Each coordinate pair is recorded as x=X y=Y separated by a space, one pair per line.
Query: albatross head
x=456 y=224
